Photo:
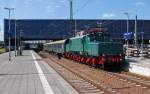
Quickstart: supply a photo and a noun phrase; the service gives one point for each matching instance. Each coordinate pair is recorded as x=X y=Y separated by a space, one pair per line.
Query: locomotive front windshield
x=100 y=37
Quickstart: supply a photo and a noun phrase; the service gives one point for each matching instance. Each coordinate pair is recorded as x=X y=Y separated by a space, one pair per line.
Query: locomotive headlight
x=103 y=55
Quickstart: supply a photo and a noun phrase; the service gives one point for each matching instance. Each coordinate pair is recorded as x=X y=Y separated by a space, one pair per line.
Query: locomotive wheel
x=106 y=66
x=98 y=65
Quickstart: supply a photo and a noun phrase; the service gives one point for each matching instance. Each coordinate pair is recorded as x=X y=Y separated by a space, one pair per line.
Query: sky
x=83 y=9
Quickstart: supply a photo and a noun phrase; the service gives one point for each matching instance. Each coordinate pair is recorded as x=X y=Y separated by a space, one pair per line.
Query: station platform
x=139 y=65
x=4 y=56
x=28 y=74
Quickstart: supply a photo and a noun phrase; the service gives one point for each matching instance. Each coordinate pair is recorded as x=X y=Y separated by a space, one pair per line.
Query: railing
x=136 y=52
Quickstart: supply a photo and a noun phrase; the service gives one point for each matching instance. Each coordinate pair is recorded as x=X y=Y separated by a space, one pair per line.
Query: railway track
x=137 y=81
x=136 y=76
x=91 y=81
x=79 y=82
x=141 y=81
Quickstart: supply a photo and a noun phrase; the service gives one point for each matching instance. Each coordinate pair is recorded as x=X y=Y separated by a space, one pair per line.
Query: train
x=95 y=47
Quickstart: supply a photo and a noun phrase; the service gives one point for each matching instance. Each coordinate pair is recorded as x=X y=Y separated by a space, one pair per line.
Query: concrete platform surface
x=28 y=74
x=139 y=65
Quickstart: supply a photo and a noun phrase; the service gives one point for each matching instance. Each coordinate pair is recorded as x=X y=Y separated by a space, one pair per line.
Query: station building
x=36 y=31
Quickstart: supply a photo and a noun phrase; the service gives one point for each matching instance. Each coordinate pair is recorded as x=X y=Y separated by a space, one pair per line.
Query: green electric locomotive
x=95 y=48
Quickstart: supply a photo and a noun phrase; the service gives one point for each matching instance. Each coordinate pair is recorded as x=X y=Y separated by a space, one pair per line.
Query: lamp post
x=75 y=26
x=15 y=37
x=127 y=14
x=9 y=10
x=20 y=42
x=142 y=42
x=135 y=34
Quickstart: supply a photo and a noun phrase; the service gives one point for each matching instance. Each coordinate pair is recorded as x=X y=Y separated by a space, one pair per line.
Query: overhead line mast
x=71 y=9
x=71 y=17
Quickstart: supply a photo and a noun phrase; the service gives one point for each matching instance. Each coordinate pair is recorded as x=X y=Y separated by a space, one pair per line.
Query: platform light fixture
x=15 y=37
x=9 y=10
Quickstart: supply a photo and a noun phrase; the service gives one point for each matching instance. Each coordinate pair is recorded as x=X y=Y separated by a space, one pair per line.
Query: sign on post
x=128 y=35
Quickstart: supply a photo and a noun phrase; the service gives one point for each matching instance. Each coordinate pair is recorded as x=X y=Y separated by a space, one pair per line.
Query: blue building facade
x=56 y=29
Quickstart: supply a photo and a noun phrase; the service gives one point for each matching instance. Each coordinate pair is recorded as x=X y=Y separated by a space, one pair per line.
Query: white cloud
x=57 y=6
x=50 y=9
x=62 y=1
x=108 y=15
x=27 y=2
x=39 y=0
x=140 y=3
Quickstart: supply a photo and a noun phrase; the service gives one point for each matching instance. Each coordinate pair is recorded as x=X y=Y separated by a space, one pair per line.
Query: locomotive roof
x=57 y=42
x=77 y=37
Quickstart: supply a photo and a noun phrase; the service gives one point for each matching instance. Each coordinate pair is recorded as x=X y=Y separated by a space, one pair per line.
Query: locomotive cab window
x=100 y=37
